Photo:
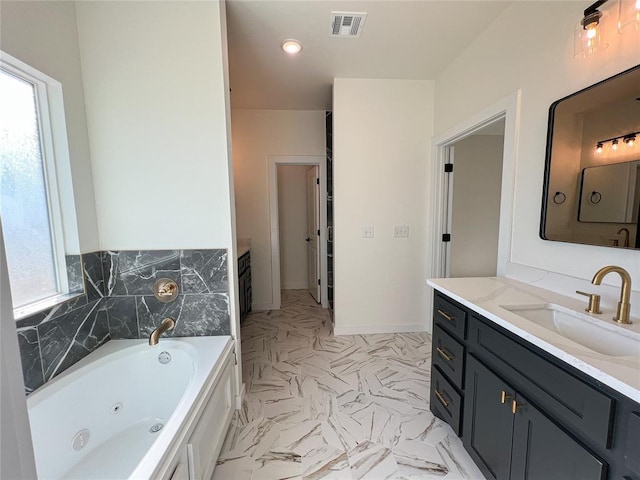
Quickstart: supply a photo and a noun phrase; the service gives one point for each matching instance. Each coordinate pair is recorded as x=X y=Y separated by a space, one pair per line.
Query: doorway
x=299 y=221
x=503 y=115
x=297 y=190
x=474 y=177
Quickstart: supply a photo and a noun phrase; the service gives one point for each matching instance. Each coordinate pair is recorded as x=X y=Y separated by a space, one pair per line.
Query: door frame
x=274 y=221
x=509 y=109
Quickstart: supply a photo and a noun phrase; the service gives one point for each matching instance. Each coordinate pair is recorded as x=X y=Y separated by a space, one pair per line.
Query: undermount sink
x=590 y=332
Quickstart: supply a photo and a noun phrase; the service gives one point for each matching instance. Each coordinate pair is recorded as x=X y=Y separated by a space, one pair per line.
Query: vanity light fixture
x=291 y=46
x=588 y=34
x=628 y=15
x=629 y=139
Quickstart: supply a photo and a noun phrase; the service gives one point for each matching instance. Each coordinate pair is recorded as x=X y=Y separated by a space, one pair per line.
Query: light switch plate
x=367 y=232
x=401 y=231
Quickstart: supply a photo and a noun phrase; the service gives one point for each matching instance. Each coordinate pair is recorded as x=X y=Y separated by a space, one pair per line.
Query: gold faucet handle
x=594 y=302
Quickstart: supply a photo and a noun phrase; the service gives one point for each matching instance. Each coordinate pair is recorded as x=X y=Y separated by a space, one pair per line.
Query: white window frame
x=57 y=173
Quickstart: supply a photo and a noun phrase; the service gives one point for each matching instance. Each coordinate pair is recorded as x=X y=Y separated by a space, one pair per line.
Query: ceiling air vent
x=347 y=24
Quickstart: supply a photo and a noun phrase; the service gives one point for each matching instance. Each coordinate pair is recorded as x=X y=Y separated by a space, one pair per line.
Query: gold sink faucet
x=167 y=324
x=622 y=315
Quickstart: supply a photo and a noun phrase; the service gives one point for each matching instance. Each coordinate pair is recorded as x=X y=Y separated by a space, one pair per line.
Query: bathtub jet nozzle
x=167 y=324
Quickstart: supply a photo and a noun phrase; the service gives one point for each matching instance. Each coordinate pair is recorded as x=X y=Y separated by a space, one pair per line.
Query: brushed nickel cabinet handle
x=444 y=354
x=446 y=315
x=441 y=398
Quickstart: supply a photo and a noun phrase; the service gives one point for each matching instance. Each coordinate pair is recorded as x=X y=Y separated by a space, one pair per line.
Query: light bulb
x=599 y=148
x=630 y=140
x=591 y=33
x=614 y=145
x=291 y=46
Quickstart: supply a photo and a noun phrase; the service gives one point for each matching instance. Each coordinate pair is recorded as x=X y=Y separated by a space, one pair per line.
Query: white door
x=313 y=232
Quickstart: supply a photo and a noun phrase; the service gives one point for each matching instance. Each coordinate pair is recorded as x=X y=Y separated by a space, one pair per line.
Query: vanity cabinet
x=509 y=438
x=563 y=425
x=448 y=358
x=244 y=284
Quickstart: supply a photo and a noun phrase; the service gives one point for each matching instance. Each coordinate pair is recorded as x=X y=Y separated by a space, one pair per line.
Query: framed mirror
x=591 y=192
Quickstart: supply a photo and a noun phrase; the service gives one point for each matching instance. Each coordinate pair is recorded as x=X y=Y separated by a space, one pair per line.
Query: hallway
x=324 y=407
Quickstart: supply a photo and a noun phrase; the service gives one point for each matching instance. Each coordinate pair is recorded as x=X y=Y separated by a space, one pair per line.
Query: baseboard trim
x=259 y=307
x=369 y=329
x=295 y=286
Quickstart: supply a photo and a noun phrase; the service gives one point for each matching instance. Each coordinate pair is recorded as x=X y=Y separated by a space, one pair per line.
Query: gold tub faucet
x=624 y=305
x=167 y=324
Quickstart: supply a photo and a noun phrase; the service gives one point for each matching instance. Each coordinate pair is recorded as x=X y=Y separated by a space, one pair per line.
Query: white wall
x=381 y=138
x=44 y=35
x=155 y=94
x=16 y=451
x=258 y=134
x=477 y=178
x=292 y=214
x=542 y=65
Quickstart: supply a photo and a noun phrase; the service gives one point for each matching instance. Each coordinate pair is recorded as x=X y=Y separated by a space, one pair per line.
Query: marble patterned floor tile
x=327 y=463
x=418 y=460
x=239 y=468
x=370 y=461
x=277 y=465
x=335 y=408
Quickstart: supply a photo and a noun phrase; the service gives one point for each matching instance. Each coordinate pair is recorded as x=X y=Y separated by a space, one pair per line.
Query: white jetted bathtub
x=129 y=410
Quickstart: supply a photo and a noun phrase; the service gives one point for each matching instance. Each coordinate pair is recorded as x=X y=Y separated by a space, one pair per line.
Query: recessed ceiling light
x=291 y=46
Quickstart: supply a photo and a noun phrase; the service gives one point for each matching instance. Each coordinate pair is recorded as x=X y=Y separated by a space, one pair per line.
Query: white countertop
x=242 y=249
x=487 y=295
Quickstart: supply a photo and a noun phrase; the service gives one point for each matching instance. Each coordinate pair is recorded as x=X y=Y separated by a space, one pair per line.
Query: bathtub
x=129 y=410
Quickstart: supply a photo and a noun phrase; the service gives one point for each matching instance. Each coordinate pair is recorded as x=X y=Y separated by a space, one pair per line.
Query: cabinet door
x=488 y=422
x=543 y=451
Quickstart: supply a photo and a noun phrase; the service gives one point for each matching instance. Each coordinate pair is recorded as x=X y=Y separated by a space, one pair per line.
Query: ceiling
x=401 y=39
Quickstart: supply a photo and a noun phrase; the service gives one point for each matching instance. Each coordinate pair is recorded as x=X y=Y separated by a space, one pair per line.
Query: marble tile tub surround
x=487 y=296
x=118 y=303
x=325 y=407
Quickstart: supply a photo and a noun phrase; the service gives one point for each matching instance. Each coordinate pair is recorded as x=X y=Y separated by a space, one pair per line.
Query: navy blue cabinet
x=523 y=413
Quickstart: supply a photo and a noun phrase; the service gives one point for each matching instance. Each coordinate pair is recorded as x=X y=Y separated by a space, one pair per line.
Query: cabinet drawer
x=446 y=402
x=449 y=316
x=564 y=396
x=242 y=263
x=448 y=355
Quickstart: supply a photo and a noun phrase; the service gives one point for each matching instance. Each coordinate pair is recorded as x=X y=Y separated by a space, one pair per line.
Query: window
x=33 y=157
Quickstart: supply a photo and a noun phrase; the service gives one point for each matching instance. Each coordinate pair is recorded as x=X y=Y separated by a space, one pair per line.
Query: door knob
x=307 y=239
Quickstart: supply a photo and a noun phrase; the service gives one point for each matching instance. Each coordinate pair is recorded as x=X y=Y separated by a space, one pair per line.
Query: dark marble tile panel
x=195 y=315
x=55 y=312
x=67 y=340
x=123 y=317
x=204 y=271
x=74 y=273
x=135 y=272
x=31 y=361
x=93 y=275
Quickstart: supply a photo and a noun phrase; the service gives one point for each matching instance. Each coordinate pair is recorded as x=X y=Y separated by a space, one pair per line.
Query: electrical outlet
x=401 y=231
x=367 y=232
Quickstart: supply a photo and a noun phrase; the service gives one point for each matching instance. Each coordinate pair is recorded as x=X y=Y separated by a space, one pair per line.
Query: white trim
x=509 y=109
x=56 y=170
x=273 y=162
x=370 y=329
x=240 y=396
